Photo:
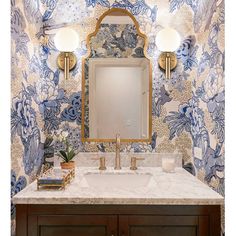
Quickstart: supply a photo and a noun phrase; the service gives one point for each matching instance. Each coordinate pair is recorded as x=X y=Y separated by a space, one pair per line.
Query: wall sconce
x=167 y=41
x=66 y=41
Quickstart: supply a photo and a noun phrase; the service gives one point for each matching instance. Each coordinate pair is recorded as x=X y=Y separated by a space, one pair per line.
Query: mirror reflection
x=116 y=83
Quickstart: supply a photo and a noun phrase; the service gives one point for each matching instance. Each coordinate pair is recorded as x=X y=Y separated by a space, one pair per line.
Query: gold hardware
x=167 y=61
x=124 y=12
x=134 y=162
x=102 y=162
x=66 y=61
x=117 y=160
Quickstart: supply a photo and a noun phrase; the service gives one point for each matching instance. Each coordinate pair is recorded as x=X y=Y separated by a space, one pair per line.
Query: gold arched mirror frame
x=116 y=11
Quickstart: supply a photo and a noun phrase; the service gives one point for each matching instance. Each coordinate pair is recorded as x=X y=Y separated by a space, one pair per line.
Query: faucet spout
x=117 y=160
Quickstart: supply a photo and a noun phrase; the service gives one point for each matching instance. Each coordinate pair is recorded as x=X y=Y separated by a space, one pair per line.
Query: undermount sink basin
x=117 y=180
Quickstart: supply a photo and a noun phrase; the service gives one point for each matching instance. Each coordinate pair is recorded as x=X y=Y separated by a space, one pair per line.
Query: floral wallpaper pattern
x=187 y=110
x=121 y=41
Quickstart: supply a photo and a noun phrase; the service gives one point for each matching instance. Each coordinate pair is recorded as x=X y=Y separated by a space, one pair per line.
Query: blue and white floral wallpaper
x=187 y=110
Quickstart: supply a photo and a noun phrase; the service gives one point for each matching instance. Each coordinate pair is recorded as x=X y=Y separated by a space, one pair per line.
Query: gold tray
x=55 y=178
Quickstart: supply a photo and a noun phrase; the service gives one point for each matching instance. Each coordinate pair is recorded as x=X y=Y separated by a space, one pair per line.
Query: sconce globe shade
x=168 y=40
x=66 y=40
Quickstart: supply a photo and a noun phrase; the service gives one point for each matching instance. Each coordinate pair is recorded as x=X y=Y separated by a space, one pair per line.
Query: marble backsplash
x=86 y=159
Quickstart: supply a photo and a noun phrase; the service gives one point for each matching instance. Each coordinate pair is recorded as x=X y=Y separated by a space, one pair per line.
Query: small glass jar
x=168 y=163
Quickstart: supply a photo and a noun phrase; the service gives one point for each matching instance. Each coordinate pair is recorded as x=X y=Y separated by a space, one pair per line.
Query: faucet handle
x=102 y=162
x=133 y=162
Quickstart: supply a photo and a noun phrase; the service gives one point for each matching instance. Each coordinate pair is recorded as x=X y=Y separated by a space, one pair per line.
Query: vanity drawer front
x=150 y=225
x=72 y=225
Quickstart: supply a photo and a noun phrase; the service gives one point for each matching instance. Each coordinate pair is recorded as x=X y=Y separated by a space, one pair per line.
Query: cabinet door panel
x=150 y=225
x=73 y=225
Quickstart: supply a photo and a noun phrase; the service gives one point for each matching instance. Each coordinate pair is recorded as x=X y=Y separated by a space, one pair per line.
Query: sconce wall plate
x=162 y=60
x=61 y=60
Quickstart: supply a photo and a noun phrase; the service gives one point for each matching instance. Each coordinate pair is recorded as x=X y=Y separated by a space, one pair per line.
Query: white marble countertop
x=179 y=188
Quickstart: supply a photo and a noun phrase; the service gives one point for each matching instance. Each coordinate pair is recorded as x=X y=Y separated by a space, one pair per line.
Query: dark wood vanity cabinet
x=117 y=220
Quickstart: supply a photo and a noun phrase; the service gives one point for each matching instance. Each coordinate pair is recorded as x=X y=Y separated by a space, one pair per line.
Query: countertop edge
x=118 y=201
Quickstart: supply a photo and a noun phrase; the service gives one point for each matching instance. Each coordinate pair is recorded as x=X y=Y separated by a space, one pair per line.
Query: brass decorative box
x=55 y=178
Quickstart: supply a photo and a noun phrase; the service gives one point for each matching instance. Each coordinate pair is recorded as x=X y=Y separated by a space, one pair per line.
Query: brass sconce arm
x=167 y=62
x=66 y=61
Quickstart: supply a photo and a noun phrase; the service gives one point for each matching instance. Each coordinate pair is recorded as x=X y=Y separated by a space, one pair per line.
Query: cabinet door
x=72 y=225
x=150 y=225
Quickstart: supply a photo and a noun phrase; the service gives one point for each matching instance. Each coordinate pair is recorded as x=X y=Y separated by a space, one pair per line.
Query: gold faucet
x=133 y=162
x=102 y=162
x=117 y=160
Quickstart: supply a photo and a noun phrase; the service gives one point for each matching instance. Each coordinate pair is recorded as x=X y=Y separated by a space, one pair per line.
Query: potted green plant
x=67 y=153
